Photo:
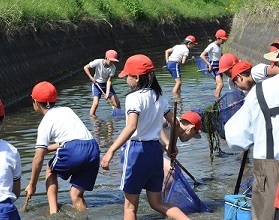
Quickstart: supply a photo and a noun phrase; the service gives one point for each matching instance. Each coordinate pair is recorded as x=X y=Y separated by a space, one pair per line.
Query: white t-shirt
x=10 y=170
x=178 y=51
x=259 y=72
x=102 y=73
x=247 y=126
x=59 y=125
x=214 y=51
x=150 y=114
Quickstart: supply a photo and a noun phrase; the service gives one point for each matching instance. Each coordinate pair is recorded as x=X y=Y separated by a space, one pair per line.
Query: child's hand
x=106 y=159
x=30 y=190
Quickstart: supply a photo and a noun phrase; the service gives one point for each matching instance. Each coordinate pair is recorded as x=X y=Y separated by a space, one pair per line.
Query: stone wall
x=33 y=55
x=252 y=32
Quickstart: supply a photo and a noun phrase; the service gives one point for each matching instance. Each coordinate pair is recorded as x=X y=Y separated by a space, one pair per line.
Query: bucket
x=237 y=207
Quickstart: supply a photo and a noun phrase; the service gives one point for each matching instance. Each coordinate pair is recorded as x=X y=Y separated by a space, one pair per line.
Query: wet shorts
x=79 y=159
x=97 y=92
x=8 y=210
x=142 y=166
x=174 y=69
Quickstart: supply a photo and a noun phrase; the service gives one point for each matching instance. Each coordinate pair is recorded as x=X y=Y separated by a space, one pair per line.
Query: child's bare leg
x=177 y=87
x=155 y=201
x=219 y=86
x=131 y=206
x=115 y=101
x=94 y=106
x=77 y=199
x=52 y=190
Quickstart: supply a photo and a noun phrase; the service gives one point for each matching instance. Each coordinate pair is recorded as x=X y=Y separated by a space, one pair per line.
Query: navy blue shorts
x=97 y=92
x=142 y=166
x=174 y=69
x=215 y=69
x=79 y=159
x=8 y=210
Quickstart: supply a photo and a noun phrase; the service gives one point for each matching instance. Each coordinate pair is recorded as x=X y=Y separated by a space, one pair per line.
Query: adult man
x=256 y=124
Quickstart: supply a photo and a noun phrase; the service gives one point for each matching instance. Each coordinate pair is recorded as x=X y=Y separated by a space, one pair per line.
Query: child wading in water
x=77 y=153
x=104 y=71
x=214 y=52
x=141 y=154
x=10 y=174
x=176 y=56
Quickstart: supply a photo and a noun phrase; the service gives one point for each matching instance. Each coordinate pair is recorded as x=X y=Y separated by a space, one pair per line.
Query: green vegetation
x=17 y=15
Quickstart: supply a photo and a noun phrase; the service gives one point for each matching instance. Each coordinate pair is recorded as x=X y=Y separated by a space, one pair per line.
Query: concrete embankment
x=33 y=55
x=253 y=31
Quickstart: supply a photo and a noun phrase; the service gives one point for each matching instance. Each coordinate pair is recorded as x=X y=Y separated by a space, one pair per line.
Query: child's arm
x=203 y=56
x=167 y=54
x=272 y=71
x=184 y=58
x=52 y=147
x=16 y=188
x=124 y=136
x=109 y=83
x=87 y=71
x=169 y=118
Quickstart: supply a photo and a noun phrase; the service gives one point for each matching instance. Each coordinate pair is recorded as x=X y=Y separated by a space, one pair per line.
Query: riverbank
x=58 y=52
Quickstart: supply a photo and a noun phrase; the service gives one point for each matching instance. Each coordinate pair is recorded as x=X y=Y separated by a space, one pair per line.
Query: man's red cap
x=137 y=65
x=44 y=92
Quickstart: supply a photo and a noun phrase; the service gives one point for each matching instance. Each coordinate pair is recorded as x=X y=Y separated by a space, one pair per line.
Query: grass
x=18 y=15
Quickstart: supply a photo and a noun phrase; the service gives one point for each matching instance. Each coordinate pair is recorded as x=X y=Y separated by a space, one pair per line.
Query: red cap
x=274 y=46
x=2 y=111
x=227 y=61
x=193 y=118
x=112 y=55
x=221 y=34
x=240 y=67
x=192 y=39
x=44 y=92
x=137 y=65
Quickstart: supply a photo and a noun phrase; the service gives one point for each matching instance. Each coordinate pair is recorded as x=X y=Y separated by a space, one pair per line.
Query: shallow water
x=106 y=200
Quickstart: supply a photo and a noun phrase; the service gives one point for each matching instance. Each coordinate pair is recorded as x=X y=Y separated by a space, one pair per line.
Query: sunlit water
x=106 y=200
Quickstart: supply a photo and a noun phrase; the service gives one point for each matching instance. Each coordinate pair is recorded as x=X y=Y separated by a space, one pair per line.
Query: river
x=106 y=200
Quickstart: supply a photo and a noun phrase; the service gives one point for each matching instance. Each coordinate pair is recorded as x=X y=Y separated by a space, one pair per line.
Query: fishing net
x=228 y=105
x=181 y=195
x=216 y=116
x=202 y=66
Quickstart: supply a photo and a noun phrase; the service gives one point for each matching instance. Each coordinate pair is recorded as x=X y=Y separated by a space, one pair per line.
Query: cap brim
x=195 y=43
x=224 y=38
x=272 y=56
x=222 y=70
x=113 y=59
x=122 y=74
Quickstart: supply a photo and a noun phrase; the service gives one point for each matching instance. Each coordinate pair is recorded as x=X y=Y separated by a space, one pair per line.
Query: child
x=10 y=174
x=104 y=71
x=214 y=52
x=141 y=152
x=245 y=76
x=190 y=124
x=176 y=56
x=77 y=152
x=226 y=62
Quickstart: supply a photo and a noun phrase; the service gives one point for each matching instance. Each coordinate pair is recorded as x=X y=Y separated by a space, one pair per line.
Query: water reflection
x=106 y=201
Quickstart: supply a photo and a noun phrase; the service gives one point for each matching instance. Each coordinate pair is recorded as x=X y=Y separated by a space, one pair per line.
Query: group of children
x=77 y=154
x=178 y=54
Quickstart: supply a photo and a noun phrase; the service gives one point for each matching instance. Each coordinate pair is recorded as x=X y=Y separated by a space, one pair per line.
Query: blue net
x=202 y=66
x=181 y=195
x=228 y=104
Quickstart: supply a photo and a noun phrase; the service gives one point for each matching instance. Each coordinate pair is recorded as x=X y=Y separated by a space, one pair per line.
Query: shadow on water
x=106 y=200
